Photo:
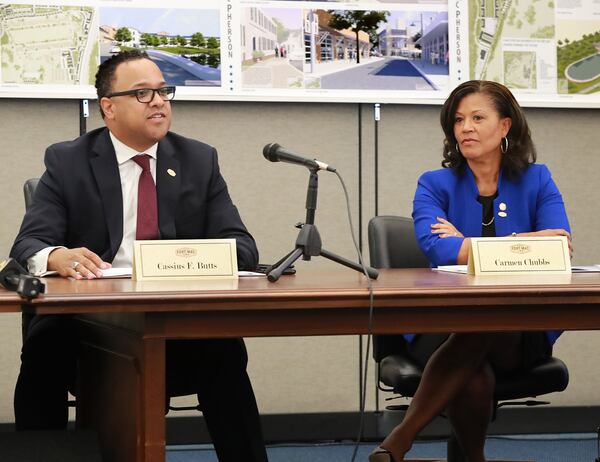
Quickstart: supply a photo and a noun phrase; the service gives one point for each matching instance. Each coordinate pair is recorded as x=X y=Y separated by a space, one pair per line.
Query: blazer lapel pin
x=171 y=172
x=502 y=213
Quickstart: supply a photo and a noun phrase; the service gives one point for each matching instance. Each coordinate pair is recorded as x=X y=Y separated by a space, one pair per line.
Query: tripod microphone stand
x=308 y=243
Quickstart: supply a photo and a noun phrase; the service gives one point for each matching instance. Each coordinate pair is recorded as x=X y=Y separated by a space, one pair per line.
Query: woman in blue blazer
x=489 y=186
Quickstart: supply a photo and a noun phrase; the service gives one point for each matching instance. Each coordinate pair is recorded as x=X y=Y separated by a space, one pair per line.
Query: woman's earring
x=504 y=145
x=457 y=148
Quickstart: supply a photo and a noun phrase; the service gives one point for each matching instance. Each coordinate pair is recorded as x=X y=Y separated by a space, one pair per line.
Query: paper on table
x=48 y=273
x=126 y=273
x=113 y=273
x=106 y=274
x=462 y=269
x=585 y=269
x=116 y=273
x=250 y=274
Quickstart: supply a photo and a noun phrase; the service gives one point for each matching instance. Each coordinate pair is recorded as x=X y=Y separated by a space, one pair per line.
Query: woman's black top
x=488 y=227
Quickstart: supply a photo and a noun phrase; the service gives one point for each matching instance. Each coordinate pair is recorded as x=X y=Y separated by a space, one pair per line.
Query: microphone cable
x=362 y=380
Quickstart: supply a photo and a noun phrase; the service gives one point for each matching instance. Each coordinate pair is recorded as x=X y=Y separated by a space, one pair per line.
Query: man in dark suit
x=85 y=217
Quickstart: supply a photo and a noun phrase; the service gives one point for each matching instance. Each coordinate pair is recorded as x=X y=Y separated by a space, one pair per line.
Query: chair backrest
x=29 y=190
x=392 y=243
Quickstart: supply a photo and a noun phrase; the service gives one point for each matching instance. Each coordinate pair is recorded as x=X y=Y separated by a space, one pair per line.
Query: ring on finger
x=74 y=265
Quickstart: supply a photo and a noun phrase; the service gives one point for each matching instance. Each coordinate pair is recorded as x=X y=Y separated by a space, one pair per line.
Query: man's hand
x=77 y=263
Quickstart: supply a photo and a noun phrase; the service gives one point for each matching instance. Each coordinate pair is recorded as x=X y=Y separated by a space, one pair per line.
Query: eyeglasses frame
x=153 y=90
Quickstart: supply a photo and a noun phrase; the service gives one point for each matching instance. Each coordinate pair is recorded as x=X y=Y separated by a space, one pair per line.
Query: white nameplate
x=184 y=259
x=519 y=255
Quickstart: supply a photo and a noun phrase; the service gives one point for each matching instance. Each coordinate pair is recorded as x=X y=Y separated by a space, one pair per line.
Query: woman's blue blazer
x=531 y=202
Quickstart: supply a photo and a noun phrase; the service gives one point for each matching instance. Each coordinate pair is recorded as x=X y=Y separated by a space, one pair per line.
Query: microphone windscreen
x=270 y=152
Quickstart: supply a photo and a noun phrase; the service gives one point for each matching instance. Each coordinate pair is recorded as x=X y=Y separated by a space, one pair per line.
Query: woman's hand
x=444 y=228
x=551 y=232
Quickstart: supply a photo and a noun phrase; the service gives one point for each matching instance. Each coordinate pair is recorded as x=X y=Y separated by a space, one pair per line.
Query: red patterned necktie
x=147 y=210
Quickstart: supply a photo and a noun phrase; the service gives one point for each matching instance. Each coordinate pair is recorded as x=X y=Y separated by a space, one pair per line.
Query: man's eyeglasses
x=145 y=95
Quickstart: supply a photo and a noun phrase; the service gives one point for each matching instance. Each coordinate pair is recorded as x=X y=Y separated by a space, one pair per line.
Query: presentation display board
x=385 y=51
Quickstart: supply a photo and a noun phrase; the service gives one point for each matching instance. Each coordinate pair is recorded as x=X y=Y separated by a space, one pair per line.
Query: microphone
x=276 y=153
x=14 y=277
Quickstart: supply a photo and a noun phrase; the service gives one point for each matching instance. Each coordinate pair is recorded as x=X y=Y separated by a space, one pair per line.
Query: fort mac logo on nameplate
x=184 y=259
x=519 y=255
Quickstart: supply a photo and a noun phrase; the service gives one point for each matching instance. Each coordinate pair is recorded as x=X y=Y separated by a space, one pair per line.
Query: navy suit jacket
x=78 y=201
x=532 y=202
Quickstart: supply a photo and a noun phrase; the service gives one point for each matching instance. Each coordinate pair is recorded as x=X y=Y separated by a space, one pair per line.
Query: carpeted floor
x=539 y=448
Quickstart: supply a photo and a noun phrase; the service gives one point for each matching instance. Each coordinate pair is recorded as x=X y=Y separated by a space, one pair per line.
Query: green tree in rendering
x=212 y=42
x=374 y=38
x=123 y=35
x=366 y=21
x=163 y=40
x=282 y=32
x=146 y=39
x=530 y=14
x=181 y=41
x=197 y=40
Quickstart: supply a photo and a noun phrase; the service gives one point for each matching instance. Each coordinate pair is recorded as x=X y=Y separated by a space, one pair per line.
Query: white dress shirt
x=129 y=172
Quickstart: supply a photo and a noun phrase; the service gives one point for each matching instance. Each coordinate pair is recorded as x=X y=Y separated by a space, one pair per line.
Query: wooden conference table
x=125 y=324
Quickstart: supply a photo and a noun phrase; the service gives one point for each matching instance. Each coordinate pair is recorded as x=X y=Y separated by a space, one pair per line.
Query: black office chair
x=28 y=191
x=392 y=244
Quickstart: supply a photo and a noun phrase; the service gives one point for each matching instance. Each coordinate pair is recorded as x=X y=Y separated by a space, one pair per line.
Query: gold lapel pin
x=171 y=172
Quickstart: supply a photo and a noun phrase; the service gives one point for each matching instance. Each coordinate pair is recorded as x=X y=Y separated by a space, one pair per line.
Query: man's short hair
x=106 y=71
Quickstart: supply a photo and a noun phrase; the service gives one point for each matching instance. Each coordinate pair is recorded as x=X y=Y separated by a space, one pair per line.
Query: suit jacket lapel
x=167 y=188
x=106 y=172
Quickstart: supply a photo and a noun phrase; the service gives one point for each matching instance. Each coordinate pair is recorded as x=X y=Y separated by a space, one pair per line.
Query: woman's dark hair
x=106 y=71
x=521 y=151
